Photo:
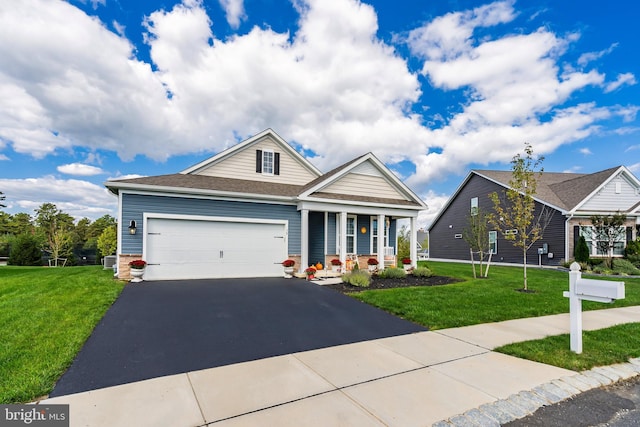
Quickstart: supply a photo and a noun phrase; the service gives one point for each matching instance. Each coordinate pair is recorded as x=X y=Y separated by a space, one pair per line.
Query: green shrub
x=392 y=273
x=422 y=272
x=624 y=266
x=596 y=261
x=632 y=252
x=359 y=278
x=602 y=269
x=25 y=250
x=581 y=251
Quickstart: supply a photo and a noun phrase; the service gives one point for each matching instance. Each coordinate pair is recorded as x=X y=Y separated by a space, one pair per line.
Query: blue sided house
x=245 y=210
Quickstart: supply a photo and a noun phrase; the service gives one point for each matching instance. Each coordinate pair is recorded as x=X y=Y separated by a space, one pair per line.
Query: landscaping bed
x=408 y=281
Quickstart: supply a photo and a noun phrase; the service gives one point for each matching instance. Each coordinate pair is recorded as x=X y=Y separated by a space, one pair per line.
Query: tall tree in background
x=606 y=230
x=515 y=215
x=2 y=198
x=55 y=228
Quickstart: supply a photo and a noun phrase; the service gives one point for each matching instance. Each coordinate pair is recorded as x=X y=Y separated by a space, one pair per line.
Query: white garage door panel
x=194 y=249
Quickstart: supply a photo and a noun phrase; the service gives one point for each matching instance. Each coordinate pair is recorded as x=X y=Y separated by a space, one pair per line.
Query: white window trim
x=593 y=246
x=494 y=233
x=372 y=236
x=355 y=234
x=273 y=159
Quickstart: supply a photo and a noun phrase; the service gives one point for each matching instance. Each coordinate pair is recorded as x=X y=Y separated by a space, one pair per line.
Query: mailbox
x=586 y=288
x=590 y=290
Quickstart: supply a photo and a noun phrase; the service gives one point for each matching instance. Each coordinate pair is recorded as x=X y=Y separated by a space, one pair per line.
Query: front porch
x=353 y=237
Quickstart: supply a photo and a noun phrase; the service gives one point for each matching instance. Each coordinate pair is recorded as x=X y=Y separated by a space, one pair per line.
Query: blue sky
x=92 y=90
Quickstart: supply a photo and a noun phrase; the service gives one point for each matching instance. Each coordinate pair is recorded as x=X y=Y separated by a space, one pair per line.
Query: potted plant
x=288 y=268
x=137 y=269
x=373 y=264
x=406 y=263
x=336 y=264
x=311 y=272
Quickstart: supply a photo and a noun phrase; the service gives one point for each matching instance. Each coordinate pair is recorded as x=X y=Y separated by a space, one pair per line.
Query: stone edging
x=527 y=402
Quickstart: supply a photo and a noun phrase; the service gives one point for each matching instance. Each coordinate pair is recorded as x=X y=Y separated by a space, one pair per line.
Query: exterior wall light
x=132 y=227
x=363 y=230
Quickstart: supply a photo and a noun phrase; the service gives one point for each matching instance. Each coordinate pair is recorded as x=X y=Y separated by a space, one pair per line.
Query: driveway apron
x=164 y=328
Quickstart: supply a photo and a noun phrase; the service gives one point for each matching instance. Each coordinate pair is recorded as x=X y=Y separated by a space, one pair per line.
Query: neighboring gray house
x=245 y=210
x=572 y=198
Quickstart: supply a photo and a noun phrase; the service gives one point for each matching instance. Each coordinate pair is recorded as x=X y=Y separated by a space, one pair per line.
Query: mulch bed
x=379 y=283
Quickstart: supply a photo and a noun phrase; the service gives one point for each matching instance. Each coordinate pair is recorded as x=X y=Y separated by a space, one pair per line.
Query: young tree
x=404 y=243
x=515 y=215
x=476 y=234
x=606 y=230
x=108 y=241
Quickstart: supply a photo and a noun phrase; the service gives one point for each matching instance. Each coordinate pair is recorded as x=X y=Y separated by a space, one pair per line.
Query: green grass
x=494 y=299
x=46 y=315
x=602 y=347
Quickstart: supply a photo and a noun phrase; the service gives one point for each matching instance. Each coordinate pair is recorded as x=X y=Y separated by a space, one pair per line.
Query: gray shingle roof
x=563 y=190
x=213 y=183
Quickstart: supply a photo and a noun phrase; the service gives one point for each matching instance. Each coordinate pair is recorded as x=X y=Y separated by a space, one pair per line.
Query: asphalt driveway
x=163 y=328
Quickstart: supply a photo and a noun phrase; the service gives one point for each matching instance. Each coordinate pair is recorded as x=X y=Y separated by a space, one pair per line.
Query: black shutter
x=276 y=163
x=629 y=234
x=576 y=237
x=258 y=161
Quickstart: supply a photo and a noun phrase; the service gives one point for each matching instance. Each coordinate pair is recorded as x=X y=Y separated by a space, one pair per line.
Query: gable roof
x=247 y=144
x=314 y=188
x=560 y=190
x=190 y=182
x=563 y=191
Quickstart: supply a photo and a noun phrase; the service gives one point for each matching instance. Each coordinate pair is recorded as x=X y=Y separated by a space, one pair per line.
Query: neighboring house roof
x=558 y=189
x=364 y=180
x=566 y=192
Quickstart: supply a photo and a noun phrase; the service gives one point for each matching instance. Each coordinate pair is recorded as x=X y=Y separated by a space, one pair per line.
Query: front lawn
x=46 y=315
x=602 y=347
x=494 y=299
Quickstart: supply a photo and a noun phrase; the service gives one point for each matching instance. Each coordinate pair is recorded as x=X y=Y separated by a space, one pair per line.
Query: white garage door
x=201 y=249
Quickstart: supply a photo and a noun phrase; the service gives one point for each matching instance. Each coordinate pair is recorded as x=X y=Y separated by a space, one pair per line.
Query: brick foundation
x=124 y=271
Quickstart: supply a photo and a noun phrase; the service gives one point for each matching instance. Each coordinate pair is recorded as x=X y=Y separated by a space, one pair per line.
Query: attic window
x=267 y=162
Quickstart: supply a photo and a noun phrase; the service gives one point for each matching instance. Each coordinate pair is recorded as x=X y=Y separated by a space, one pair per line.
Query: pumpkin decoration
x=319 y=266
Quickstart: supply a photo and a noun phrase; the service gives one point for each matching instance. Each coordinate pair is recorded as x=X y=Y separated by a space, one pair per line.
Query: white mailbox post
x=590 y=290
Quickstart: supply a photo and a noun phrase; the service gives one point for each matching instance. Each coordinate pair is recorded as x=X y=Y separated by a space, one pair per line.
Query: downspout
x=566 y=238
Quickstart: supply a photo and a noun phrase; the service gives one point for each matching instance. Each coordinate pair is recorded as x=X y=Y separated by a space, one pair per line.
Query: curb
x=527 y=402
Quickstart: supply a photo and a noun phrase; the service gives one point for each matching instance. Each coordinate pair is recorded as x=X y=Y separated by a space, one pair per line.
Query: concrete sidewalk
x=407 y=380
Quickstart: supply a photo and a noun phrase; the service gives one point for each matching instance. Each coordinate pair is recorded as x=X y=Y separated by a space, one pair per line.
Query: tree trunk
x=525 y=268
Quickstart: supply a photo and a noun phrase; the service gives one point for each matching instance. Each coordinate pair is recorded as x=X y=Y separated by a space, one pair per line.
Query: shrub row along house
x=243 y=211
x=570 y=199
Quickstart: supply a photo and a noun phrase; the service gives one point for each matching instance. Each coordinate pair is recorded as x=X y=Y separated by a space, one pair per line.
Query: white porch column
x=382 y=228
x=343 y=237
x=304 y=240
x=413 y=241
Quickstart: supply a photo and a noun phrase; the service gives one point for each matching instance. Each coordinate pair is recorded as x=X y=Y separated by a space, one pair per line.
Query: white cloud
x=623 y=79
x=234 y=10
x=3 y=157
x=79 y=169
x=332 y=86
x=435 y=204
x=635 y=168
x=75 y=197
x=585 y=151
x=633 y=147
x=587 y=57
